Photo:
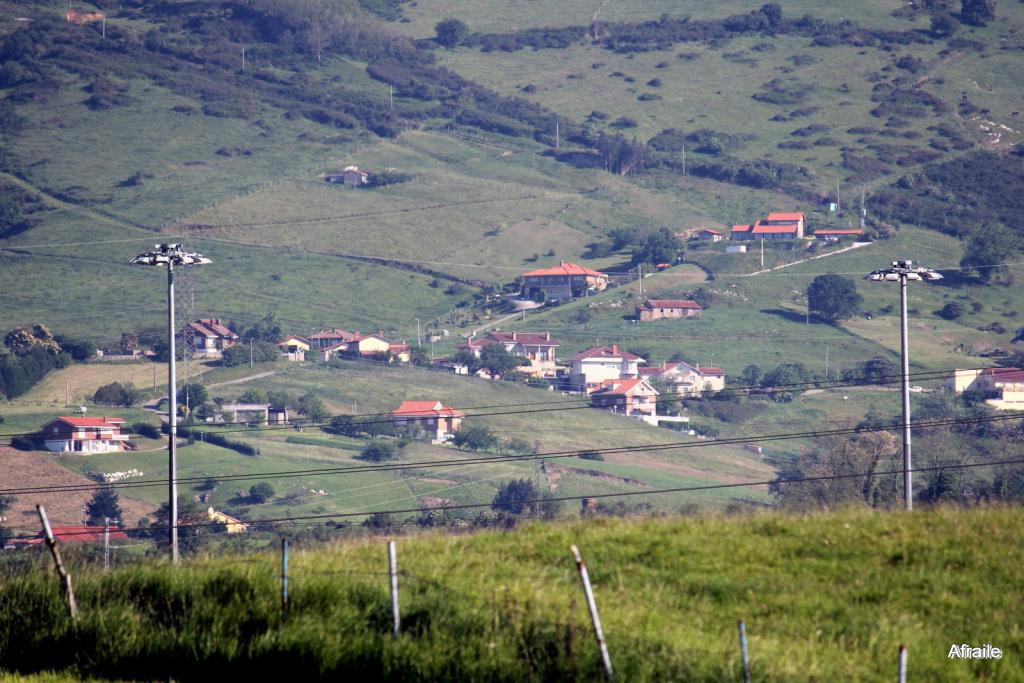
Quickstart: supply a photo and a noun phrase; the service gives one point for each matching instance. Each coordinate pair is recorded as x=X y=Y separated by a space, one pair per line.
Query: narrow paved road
x=855 y=245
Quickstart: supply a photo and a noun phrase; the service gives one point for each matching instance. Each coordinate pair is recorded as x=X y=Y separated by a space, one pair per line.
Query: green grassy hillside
x=826 y=597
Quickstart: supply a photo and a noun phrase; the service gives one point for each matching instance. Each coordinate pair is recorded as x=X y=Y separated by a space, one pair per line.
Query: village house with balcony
x=84 y=435
x=564 y=281
x=537 y=347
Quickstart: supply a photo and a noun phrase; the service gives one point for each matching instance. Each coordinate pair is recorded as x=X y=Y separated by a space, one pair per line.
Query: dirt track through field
x=19 y=469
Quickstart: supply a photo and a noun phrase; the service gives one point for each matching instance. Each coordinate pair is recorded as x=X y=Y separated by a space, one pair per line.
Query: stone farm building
x=656 y=309
x=84 y=435
x=537 y=347
x=430 y=417
x=350 y=175
x=564 y=281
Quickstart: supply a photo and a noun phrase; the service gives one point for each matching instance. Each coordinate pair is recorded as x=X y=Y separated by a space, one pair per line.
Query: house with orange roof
x=656 y=309
x=431 y=417
x=685 y=378
x=80 y=434
x=589 y=368
x=1004 y=387
x=211 y=337
x=537 y=347
x=631 y=397
x=780 y=225
x=564 y=281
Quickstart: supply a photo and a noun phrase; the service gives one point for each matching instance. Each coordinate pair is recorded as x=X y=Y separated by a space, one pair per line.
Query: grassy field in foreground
x=825 y=598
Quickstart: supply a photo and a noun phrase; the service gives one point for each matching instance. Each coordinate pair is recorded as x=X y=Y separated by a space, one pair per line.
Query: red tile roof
x=565 y=268
x=425 y=409
x=94 y=422
x=1005 y=374
x=619 y=387
x=793 y=216
x=745 y=227
x=710 y=371
x=218 y=329
x=606 y=352
x=762 y=229
x=671 y=303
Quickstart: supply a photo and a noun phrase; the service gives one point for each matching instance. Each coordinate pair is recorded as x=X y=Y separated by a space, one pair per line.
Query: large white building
x=84 y=435
x=588 y=369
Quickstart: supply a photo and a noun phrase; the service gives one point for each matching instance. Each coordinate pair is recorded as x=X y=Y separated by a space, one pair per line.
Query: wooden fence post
x=592 y=608
x=393 y=575
x=901 y=672
x=743 y=652
x=65 y=578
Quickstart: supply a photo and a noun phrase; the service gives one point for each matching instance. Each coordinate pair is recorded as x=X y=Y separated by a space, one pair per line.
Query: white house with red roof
x=81 y=434
x=687 y=379
x=632 y=397
x=537 y=347
x=656 y=309
x=588 y=369
x=294 y=347
x=1005 y=386
x=564 y=281
x=431 y=417
x=211 y=337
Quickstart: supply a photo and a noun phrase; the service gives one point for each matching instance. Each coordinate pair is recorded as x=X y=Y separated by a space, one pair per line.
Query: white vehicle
x=917 y=389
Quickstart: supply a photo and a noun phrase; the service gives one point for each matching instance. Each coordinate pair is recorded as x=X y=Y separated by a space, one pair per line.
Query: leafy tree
x=379 y=521
x=661 y=246
x=702 y=297
x=196 y=393
x=10 y=211
x=620 y=155
x=261 y=493
x=193 y=525
x=378 y=451
x=516 y=496
x=496 y=360
x=881 y=370
x=79 y=350
x=343 y=424
x=116 y=394
x=833 y=297
x=952 y=310
x=22 y=340
x=940 y=487
x=312 y=407
x=987 y=247
x=266 y=329
x=418 y=356
x=474 y=438
x=751 y=375
x=622 y=237
x=518 y=446
x=253 y=396
x=943 y=24
x=278 y=399
x=103 y=504
x=786 y=381
x=591 y=455
x=467 y=358
x=129 y=343
x=978 y=12
x=450 y=32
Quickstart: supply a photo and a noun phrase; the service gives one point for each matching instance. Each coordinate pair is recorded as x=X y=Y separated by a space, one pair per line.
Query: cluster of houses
x=777 y=226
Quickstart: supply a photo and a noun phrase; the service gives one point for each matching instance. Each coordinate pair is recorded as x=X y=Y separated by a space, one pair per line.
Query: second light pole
x=902 y=271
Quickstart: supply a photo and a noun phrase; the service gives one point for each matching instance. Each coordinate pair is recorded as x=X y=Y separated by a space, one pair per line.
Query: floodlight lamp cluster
x=169 y=255
x=903 y=270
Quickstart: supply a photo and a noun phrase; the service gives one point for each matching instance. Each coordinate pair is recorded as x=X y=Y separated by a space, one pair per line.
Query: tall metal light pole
x=902 y=271
x=171 y=255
